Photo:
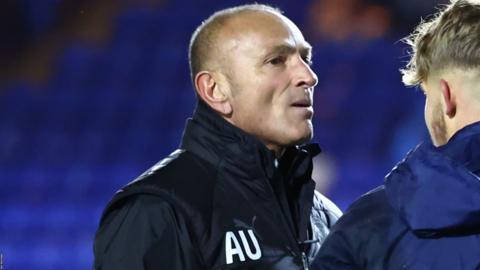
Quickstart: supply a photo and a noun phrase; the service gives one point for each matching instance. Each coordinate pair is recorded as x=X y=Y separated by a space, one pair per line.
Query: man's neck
x=278 y=150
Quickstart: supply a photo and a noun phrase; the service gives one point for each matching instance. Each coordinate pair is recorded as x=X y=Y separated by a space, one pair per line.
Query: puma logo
x=234 y=248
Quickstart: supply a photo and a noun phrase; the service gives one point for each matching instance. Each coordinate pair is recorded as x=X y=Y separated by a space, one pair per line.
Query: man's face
x=267 y=68
x=435 y=115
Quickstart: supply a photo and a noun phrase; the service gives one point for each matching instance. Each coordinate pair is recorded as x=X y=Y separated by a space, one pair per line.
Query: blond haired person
x=427 y=213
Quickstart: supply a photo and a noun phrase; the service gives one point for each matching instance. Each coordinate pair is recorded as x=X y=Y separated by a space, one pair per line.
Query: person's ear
x=212 y=92
x=448 y=98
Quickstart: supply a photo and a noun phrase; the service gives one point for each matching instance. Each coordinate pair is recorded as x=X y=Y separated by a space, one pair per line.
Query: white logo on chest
x=234 y=248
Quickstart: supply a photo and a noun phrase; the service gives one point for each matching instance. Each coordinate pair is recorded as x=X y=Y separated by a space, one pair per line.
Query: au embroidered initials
x=233 y=247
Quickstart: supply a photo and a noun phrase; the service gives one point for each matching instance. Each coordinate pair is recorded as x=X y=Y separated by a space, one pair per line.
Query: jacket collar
x=211 y=137
x=436 y=190
x=464 y=147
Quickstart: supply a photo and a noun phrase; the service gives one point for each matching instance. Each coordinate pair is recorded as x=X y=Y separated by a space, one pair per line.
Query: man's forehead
x=289 y=47
x=272 y=31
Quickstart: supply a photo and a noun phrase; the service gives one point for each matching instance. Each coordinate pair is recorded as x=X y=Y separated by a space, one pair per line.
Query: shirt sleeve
x=143 y=234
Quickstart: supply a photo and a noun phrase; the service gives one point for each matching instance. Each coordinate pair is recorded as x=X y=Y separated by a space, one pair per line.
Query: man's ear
x=448 y=98
x=210 y=91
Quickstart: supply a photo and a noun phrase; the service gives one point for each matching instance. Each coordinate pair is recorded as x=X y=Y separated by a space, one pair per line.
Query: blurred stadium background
x=92 y=93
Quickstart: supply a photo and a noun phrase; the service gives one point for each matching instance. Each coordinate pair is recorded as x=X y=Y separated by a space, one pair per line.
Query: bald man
x=238 y=194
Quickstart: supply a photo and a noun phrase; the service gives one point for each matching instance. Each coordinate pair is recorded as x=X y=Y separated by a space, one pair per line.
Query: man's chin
x=304 y=137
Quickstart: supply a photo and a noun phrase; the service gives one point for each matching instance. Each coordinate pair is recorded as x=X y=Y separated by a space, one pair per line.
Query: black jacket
x=219 y=202
x=426 y=216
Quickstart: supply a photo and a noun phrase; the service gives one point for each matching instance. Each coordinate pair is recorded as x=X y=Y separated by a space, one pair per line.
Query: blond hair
x=450 y=39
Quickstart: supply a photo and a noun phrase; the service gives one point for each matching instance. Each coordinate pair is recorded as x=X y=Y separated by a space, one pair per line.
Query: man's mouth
x=303 y=103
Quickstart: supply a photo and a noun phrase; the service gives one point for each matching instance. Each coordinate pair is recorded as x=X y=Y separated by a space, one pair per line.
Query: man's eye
x=307 y=60
x=277 y=60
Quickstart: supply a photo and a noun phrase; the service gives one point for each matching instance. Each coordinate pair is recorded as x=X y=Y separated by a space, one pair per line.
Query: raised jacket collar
x=437 y=190
x=211 y=137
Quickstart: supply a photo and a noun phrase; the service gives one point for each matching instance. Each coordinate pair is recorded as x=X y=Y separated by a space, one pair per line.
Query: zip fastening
x=292 y=238
x=298 y=246
x=305 y=261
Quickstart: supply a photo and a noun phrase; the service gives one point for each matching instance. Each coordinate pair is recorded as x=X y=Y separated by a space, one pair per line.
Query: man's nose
x=304 y=75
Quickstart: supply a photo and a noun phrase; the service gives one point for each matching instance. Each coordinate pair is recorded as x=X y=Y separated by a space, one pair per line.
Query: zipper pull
x=305 y=261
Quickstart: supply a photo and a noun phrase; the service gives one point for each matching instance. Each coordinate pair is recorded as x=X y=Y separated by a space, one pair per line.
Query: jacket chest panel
x=246 y=230
x=250 y=241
